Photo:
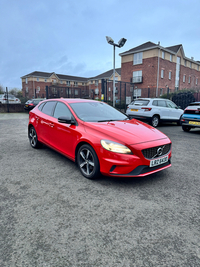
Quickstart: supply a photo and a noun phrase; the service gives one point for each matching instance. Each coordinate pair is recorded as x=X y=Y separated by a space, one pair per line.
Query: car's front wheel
x=186 y=128
x=155 y=121
x=33 y=138
x=88 y=162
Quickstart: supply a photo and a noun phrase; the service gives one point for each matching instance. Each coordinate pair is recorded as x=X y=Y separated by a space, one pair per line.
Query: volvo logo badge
x=160 y=151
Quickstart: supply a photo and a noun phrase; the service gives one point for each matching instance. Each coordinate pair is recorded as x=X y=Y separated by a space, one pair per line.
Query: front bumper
x=135 y=165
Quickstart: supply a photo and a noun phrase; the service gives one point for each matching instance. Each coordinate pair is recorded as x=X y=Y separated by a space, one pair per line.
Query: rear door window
x=48 y=108
x=162 y=103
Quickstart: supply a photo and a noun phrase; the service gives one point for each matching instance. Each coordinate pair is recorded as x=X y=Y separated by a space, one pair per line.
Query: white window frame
x=163 y=55
x=170 y=75
x=137 y=76
x=138 y=58
x=189 y=80
x=171 y=57
x=162 y=74
x=184 y=78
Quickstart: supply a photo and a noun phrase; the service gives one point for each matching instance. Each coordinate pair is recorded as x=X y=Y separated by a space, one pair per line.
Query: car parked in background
x=99 y=138
x=191 y=117
x=30 y=104
x=154 y=110
x=11 y=99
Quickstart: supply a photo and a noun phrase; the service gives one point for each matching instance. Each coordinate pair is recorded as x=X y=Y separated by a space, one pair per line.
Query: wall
x=12 y=108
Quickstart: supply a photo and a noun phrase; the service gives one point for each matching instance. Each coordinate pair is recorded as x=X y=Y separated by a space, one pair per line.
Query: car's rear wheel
x=155 y=121
x=186 y=128
x=88 y=162
x=33 y=138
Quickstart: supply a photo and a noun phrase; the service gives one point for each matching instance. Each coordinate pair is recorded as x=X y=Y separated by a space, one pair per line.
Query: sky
x=69 y=36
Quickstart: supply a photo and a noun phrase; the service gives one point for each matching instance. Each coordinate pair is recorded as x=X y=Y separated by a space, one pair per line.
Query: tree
x=1 y=89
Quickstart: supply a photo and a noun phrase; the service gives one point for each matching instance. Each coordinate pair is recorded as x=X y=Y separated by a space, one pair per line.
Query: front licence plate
x=156 y=162
x=194 y=122
x=134 y=109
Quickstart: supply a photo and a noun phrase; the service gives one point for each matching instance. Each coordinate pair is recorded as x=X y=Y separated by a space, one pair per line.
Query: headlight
x=115 y=147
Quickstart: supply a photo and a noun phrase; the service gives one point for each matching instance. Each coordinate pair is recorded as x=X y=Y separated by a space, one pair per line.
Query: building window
x=68 y=83
x=91 y=82
x=45 y=80
x=26 y=80
x=161 y=91
x=137 y=58
x=76 y=91
x=162 y=74
x=170 y=75
x=137 y=76
x=163 y=54
x=185 y=63
x=190 y=64
x=189 y=79
x=96 y=82
x=75 y=83
x=198 y=67
x=26 y=89
x=178 y=67
x=61 y=82
x=38 y=79
x=184 y=76
x=171 y=58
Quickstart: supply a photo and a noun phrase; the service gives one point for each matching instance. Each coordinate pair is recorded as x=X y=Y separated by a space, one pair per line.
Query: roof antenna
x=159 y=43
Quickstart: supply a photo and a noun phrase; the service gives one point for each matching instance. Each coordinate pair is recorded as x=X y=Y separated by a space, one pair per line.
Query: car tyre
x=88 y=162
x=186 y=128
x=155 y=121
x=33 y=138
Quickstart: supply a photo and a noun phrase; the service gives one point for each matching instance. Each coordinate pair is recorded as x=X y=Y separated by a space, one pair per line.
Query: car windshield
x=97 y=112
x=140 y=102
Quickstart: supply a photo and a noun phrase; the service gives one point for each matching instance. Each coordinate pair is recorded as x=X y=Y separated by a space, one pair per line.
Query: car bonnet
x=129 y=132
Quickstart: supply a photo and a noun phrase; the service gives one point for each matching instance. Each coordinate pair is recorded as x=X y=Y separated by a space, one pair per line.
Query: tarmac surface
x=51 y=216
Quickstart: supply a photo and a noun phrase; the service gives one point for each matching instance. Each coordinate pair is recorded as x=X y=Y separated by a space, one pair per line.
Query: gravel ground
x=50 y=215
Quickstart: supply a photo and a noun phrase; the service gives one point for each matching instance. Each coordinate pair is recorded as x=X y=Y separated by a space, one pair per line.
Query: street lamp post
x=121 y=43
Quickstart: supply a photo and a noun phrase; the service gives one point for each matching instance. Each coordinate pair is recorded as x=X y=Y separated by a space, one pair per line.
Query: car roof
x=72 y=100
x=148 y=98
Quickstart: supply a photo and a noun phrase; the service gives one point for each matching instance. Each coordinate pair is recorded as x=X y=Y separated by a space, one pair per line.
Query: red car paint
x=135 y=135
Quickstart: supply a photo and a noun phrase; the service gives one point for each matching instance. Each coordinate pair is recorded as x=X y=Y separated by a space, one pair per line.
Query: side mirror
x=66 y=119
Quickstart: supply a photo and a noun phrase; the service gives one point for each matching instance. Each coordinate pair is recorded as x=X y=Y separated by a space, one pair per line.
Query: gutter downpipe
x=158 y=69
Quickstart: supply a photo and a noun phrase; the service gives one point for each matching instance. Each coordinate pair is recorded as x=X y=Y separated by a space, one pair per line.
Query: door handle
x=51 y=125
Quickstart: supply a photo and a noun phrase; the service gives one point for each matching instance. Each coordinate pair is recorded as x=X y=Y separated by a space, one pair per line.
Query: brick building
x=153 y=68
x=148 y=69
x=34 y=84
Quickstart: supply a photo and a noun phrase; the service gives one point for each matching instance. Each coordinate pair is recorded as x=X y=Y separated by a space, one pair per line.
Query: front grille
x=155 y=152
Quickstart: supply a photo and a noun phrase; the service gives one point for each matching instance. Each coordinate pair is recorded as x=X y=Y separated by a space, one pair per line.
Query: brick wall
x=12 y=108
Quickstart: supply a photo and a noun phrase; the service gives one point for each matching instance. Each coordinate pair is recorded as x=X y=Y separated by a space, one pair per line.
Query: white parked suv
x=154 y=110
x=11 y=99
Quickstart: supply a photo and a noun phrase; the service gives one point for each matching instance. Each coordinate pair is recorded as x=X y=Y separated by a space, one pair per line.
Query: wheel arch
x=84 y=142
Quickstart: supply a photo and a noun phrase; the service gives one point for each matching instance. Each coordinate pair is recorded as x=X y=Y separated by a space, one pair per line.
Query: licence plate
x=194 y=122
x=134 y=109
x=156 y=162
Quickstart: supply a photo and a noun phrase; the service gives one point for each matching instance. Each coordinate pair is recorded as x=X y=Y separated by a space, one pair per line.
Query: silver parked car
x=154 y=110
x=11 y=99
